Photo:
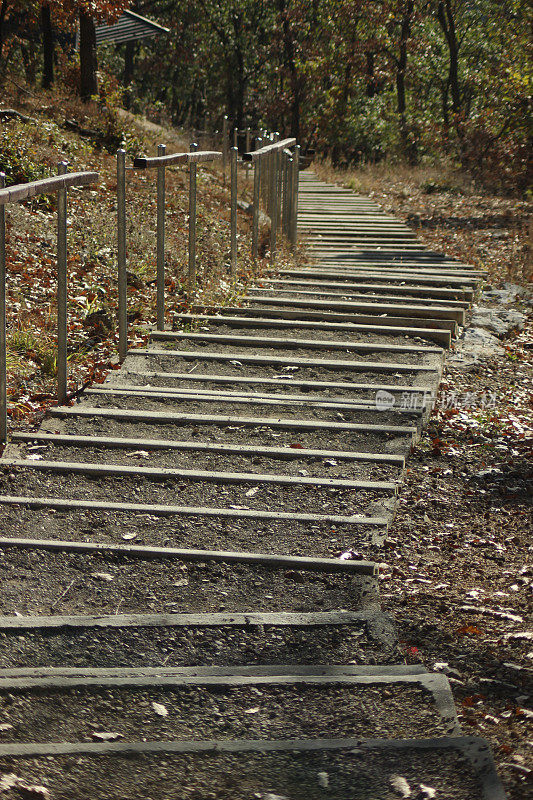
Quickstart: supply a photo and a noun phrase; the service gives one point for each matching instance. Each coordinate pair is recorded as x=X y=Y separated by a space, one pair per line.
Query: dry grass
x=449 y=213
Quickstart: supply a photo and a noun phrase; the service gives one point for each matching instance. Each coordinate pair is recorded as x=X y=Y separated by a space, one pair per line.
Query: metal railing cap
x=22 y=191
x=269 y=148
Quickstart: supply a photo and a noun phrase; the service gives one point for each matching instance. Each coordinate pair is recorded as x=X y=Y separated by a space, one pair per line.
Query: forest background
x=357 y=81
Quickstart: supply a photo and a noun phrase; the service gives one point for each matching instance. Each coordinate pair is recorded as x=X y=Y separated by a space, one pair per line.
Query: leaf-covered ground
x=457 y=570
x=35 y=147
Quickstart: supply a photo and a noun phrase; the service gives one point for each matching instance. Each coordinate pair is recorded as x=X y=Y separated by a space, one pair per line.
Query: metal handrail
x=14 y=194
x=275 y=183
x=160 y=163
x=276 y=171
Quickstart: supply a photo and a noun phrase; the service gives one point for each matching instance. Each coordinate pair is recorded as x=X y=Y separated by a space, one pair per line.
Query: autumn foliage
x=357 y=81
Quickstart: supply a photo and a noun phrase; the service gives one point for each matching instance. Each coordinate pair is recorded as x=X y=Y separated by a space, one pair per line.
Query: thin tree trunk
x=405 y=33
x=28 y=59
x=289 y=45
x=48 y=46
x=88 y=59
x=447 y=23
x=3 y=12
x=129 y=66
x=371 y=86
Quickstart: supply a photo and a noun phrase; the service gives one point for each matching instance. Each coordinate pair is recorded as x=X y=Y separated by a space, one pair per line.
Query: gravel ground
x=358 y=295
x=359 y=441
x=195 y=493
x=290 y=353
x=36 y=582
x=309 y=373
x=285 y=383
x=269 y=409
x=318 y=334
x=195 y=646
x=208 y=533
x=305 y=711
x=220 y=462
x=355 y=774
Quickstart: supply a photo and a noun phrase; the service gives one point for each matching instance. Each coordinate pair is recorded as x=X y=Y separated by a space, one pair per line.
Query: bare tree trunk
x=129 y=66
x=405 y=32
x=290 y=53
x=48 y=46
x=88 y=60
x=3 y=12
x=27 y=52
x=371 y=84
x=447 y=23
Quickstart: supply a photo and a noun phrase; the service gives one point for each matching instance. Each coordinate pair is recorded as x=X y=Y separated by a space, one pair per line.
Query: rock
x=475 y=345
x=500 y=321
x=32 y=792
x=103 y=576
x=444 y=667
x=11 y=781
x=264 y=220
x=508 y=294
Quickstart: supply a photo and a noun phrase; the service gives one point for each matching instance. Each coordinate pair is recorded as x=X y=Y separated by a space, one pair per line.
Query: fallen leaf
x=160 y=709
x=323 y=780
x=400 y=786
x=106 y=736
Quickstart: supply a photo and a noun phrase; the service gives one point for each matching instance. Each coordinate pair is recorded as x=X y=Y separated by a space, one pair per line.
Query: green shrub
x=18 y=159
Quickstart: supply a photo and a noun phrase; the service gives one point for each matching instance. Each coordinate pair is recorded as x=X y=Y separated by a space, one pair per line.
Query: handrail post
x=279 y=185
x=62 y=288
x=270 y=171
x=247 y=150
x=274 y=201
x=236 y=138
x=160 y=275
x=233 y=218
x=293 y=233
x=285 y=217
x=257 y=194
x=224 y=147
x=3 y=342
x=192 y=221
x=121 y=256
